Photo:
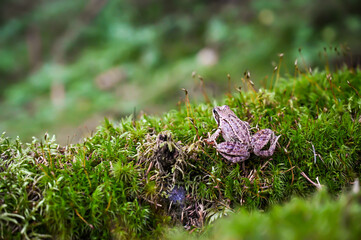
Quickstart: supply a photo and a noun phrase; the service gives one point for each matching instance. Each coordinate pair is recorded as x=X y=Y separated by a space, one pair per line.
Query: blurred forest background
x=65 y=65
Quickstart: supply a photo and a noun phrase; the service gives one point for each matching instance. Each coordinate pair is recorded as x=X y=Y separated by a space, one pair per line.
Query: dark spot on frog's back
x=262 y=138
x=229 y=146
x=232 y=147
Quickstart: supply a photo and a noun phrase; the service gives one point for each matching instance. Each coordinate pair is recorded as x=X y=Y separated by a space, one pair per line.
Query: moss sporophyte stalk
x=133 y=179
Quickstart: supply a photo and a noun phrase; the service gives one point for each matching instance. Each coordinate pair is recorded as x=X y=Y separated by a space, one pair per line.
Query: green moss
x=120 y=181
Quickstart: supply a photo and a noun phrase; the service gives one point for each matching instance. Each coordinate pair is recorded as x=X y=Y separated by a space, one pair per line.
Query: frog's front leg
x=212 y=139
x=260 y=140
x=234 y=151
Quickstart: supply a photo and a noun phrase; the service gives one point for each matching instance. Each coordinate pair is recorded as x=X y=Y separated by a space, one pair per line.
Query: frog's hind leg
x=261 y=139
x=233 y=151
x=234 y=159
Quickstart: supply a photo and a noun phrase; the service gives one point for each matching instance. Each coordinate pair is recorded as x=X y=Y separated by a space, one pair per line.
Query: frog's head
x=221 y=112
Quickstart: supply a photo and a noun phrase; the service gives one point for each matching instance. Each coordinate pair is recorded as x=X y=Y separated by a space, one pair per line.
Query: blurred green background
x=65 y=65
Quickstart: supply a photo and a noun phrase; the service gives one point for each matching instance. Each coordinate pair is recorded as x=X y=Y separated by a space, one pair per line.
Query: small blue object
x=177 y=194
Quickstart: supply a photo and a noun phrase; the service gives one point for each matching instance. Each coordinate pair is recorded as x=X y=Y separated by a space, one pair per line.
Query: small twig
x=318 y=185
x=290 y=170
x=149 y=168
x=157 y=204
x=265 y=164
x=293 y=176
x=288 y=144
x=252 y=175
x=170 y=205
x=263 y=187
x=320 y=158
x=318 y=182
x=200 y=212
x=314 y=152
x=208 y=155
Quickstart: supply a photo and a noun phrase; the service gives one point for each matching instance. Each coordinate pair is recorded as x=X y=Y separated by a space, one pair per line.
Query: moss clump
x=133 y=177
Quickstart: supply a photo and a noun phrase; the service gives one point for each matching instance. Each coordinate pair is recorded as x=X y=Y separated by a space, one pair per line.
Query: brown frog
x=239 y=143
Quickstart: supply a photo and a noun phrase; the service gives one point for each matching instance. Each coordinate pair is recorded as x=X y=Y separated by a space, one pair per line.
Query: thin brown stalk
x=250 y=84
x=273 y=75
x=279 y=68
x=354 y=89
x=329 y=78
x=188 y=105
x=108 y=206
x=303 y=61
x=90 y=225
x=326 y=58
x=229 y=85
x=195 y=127
x=206 y=98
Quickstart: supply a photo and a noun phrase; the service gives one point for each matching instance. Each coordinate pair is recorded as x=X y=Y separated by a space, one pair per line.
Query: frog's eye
x=216 y=115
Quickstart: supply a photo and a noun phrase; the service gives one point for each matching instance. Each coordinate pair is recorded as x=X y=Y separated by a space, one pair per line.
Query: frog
x=239 y=142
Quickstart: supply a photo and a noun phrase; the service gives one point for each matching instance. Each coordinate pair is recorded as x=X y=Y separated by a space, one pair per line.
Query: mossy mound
x=134 y=177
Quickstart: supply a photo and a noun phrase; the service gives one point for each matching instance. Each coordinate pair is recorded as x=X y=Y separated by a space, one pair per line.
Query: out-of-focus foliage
x=69 y=63
x=318 y=218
